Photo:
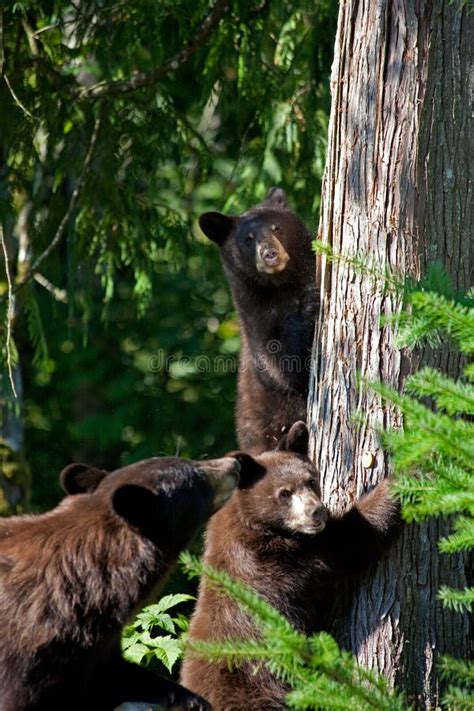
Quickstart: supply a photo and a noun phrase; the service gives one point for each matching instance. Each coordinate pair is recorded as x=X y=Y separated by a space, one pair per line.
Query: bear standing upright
x=276 y=536
x=267 y=256
x=70 y=579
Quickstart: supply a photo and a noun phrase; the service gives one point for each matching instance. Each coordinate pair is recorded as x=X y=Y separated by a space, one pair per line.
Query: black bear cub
x=267 y=256
x=70 y=579
x=276 y=536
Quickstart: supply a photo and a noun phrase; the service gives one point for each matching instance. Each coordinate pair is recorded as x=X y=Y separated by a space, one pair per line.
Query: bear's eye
x=284 y=493
x=249 y=239
x=314 y=484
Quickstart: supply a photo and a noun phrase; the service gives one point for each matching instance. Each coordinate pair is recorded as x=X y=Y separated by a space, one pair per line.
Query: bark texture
x=398 y=188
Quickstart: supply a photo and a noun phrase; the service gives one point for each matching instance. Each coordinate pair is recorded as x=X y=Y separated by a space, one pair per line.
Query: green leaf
x=181 y=622
x=167 y=603
x=136 y=653
x=168 y=650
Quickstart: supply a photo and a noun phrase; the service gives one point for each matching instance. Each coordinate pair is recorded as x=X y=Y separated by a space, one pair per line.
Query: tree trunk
x=14 y=472
x=397 y=189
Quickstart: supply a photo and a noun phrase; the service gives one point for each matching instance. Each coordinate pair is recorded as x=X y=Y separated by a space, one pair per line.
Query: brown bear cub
x=70 y=579
x=276 y=536
x=267 y=256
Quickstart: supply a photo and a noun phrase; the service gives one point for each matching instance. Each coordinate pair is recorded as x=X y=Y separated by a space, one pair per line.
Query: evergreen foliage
x=433 y=459
x=166 y=141
x=434 y=454
x=175 y=134
x=321 y=675
x=459 y=695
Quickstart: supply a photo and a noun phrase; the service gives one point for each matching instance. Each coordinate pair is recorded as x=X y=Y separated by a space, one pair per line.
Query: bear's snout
x=223 y=475
x=271 y=257
x=307 y=514
x=320 y=516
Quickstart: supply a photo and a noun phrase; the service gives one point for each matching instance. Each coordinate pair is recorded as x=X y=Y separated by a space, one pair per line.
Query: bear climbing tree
x=267 y=256
x=276 y=536
x=397 y=189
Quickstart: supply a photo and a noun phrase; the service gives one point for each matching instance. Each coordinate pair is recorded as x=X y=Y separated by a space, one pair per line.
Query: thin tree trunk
x=397 y=188
x=14 y=472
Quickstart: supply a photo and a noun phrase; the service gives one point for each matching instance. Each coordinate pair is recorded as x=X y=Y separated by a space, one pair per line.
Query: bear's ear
x=250 y=470
x=216 y=227
x=81 y=478
x=277 y=197
x=296 y=440
x=136 y=504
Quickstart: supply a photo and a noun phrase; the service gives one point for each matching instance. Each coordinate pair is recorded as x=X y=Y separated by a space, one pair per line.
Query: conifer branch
x=320 y=674
x=458 y=697
x=457 y=600
x=141 y=80
x=30 y=274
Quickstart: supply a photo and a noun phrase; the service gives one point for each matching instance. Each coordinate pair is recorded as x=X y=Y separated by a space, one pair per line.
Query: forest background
x=121 y=122
x=123 y=336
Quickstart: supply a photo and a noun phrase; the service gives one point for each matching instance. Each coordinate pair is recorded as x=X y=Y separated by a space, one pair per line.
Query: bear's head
x=268 y=244
x=279 y=490
x=165 y=499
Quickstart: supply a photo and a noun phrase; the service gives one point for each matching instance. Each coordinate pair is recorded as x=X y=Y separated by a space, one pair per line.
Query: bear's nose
x=320 y=513
x=269 y=254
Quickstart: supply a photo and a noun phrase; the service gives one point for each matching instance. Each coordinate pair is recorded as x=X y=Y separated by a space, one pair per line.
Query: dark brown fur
x=71 y=579
x=276 y=311
x=296 y=571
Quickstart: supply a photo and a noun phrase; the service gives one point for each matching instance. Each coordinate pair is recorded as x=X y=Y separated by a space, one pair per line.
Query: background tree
x=121 y=122
x=398 y=189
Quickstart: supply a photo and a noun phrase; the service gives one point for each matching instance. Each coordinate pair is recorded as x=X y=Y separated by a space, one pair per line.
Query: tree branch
x=59 y=294
x=144 y=79
x=17 y=101
x=9 y=317
x=72 y=204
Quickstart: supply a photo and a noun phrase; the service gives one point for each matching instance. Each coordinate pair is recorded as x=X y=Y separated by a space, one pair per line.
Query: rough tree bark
x=398 y=187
